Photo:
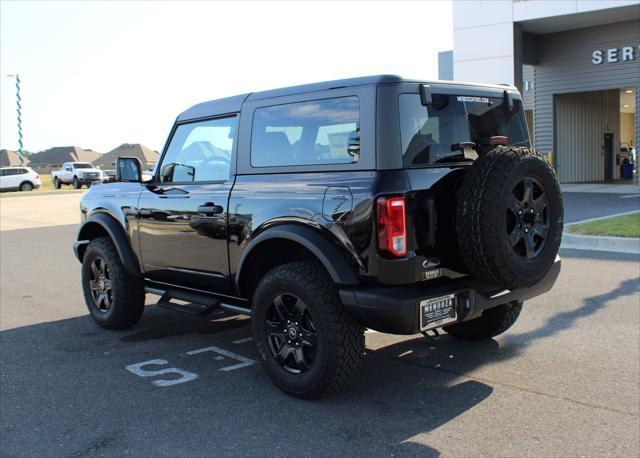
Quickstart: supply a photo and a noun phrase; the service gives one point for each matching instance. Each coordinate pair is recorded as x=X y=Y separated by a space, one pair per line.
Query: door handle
x=210 y=209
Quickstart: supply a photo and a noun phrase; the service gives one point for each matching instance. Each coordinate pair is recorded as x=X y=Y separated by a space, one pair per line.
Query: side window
x=307 y=133
x=200 y=151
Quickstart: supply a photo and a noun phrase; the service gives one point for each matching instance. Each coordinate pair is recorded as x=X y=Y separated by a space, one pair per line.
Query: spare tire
x=509 y=217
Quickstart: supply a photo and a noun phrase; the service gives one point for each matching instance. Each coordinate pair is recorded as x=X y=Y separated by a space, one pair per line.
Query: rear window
x=307 y=133
x=430 y=134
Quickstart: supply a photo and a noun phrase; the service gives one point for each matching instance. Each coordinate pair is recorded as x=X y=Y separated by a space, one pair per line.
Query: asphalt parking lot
x=564 y=381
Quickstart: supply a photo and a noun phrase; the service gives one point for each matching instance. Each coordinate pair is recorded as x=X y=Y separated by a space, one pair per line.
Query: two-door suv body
x=398 y=205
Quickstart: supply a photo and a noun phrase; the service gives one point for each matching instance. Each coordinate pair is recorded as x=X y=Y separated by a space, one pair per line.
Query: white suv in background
x=19 y=179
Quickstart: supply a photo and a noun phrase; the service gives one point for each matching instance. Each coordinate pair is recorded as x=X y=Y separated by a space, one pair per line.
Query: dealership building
x=577 y=64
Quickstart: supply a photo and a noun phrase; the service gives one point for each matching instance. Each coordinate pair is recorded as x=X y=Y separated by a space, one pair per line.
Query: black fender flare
x=329 y=255
x=117 y=234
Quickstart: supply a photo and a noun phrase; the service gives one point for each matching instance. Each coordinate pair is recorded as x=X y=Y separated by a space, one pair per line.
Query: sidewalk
x=601 y=188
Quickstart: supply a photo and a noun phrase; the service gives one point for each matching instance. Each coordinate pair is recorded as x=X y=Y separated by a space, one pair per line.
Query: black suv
x=397 y=205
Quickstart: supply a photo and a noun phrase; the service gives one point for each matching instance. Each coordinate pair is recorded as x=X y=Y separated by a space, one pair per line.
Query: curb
x=597 y=243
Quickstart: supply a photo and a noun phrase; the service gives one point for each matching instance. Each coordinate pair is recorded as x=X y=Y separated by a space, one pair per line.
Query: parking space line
x=244 y=362
x=239 y=341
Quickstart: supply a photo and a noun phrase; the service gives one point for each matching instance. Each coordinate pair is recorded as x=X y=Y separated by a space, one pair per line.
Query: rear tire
x=307 y=344
x=56 y=183
x=76 y=183
x=115 y=298
x=493 y=322
x=26 y=186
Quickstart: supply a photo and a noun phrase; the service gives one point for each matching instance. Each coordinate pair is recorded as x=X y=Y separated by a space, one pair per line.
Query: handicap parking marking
x=244 y=362
x=185 y=376
x=221 y=354
x=246 y=339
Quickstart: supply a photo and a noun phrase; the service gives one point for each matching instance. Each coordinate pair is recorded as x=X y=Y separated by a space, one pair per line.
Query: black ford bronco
x=321 y=210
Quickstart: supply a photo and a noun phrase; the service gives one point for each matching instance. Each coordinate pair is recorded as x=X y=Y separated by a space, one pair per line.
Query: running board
x=192 y=303
x=189 y=303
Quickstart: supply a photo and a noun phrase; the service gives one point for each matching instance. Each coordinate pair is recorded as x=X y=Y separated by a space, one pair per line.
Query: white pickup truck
x=76 y=174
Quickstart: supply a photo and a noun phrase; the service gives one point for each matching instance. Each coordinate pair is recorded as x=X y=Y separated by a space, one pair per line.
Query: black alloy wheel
x=100 y=284
x=291 y=333
x=527 y=218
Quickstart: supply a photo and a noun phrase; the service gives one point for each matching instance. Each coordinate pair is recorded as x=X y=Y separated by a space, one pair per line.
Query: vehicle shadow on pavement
x=565 y=320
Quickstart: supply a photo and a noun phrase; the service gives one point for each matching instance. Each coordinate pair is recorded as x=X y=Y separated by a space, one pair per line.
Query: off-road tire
x=26 y=186
x=128 y=293
x=56 y=183
x=76 y=183
x=493 y=322
x=340 y=338
x=481 y=217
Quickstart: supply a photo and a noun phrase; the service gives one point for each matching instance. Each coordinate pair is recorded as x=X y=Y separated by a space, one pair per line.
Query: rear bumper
x=395 y=309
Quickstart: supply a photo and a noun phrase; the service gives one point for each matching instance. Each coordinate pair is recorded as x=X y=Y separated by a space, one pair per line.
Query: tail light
x=392 y=226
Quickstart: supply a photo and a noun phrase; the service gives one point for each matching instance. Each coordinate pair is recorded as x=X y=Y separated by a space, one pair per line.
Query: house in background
x=10 y=158
x=147 y=156
x=53 y=158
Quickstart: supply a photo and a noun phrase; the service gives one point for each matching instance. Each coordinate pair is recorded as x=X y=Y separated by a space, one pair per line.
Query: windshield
x=431 y=134
x=83 y=166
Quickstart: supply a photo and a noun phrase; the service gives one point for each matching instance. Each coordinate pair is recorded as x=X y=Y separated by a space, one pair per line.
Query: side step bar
x=192 y=303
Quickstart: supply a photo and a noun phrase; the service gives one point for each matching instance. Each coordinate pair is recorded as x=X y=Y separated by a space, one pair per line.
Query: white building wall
x=483 y=35
x=483 y=41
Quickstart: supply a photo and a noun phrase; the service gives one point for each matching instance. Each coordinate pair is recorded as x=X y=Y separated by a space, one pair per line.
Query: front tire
x=76 y=183
x=56 y=183
x=307 y=344
x=115 y=298
x=493 y=322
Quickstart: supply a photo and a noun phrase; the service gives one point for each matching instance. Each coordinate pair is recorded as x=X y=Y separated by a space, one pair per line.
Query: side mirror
x=68 y=169
x=128 y=169
x=175 y=172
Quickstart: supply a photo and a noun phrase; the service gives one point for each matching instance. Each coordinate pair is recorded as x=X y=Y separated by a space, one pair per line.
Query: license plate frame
x=438 y=311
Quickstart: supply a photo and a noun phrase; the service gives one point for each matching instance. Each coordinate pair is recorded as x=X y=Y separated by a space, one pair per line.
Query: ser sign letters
x=612 y=55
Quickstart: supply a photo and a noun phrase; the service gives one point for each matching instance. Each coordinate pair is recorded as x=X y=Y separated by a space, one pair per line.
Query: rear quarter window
x=307 y=133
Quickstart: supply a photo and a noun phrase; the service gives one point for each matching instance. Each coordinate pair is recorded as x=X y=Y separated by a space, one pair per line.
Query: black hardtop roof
x=234 y=104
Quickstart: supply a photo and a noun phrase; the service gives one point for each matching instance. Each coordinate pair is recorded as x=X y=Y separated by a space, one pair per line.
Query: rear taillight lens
x=392 y=226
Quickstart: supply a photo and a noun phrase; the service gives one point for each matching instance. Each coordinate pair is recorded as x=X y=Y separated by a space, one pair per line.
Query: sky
x=99 y=74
